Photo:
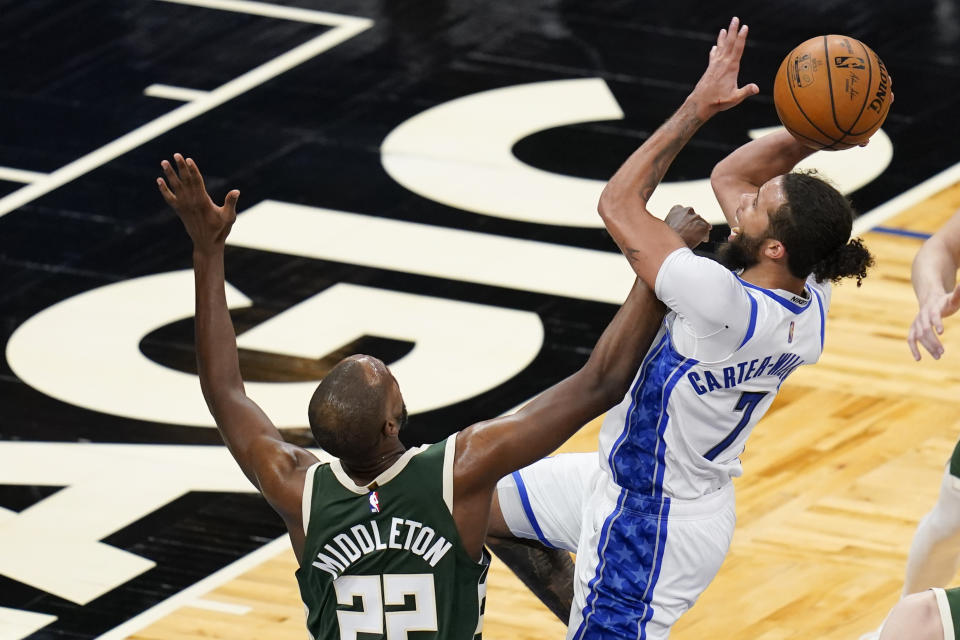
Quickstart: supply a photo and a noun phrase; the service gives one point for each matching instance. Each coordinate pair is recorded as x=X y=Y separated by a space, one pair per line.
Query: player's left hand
x=929 y=323
x=717 y=89
x=183 y=189
x=686 y=222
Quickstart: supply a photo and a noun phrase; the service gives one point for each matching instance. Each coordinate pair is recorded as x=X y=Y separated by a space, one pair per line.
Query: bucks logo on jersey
x=386 y=561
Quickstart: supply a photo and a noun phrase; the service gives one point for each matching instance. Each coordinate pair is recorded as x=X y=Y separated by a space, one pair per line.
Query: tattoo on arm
x=548 y=573
x=682 y=130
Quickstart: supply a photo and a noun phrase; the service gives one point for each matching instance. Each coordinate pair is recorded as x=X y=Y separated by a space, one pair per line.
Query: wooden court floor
x=836 y=477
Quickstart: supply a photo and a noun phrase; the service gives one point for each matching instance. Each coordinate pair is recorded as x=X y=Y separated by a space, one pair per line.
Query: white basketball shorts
x=641 y=561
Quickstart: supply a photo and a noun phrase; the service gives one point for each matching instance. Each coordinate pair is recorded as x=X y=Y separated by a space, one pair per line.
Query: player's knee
x=916 y=617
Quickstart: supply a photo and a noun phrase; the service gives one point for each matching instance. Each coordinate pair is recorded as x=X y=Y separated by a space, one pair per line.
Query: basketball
x=832 y=92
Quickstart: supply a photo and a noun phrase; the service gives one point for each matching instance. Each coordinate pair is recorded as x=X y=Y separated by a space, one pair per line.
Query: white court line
x=190 y=595
x=345 y=27
x=16 y=623
x=20 y=175
x=268 y=10
x=169 y=92
x=221 y=607
x=929 y=187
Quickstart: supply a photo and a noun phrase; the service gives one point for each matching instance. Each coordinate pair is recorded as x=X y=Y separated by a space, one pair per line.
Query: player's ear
x=774 y=249
x=391 y=428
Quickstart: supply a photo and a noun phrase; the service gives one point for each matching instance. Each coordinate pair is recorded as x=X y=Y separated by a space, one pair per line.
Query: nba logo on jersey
x=790 y=336
x=374 y=502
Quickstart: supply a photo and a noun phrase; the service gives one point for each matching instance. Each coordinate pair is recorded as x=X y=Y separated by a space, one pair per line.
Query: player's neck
x=365 y=471
x=773 y=276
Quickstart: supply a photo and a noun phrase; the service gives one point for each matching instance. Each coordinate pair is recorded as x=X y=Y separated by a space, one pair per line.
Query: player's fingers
x=194 y=172
x=172 y=177
x=930 y=343
x=912 y=343
x=230 y=202
x=740 y=41
x=182 y=168
x=721 y=39
x=745 y=92
x=165 y=192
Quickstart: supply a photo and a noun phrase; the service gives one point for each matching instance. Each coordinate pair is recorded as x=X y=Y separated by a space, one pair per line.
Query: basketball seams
x=800 y=108
x=880 y=117
x=833 y=104
x=866 y=94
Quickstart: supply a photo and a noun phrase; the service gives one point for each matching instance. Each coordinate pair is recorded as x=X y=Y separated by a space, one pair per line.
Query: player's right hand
x=929 y=323
x=686 y=222
x=183 y=189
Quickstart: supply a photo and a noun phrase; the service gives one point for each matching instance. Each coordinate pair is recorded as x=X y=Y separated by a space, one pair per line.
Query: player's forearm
x=758 y=161
x=644 y=169
x=621 y=348
x=763 y=159
x=934 y=270
x=216 y=342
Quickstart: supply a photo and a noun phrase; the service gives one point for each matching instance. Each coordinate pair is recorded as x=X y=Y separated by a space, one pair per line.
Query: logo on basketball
x=849 y=62
x=804 y=68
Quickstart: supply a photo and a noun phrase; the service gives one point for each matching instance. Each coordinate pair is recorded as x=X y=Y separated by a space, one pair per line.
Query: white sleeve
x=825 y=289
x=712 y=306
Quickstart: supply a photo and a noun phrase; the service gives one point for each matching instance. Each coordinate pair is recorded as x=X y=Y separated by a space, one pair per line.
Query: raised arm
x=275 y=467
x=752 y=164
x=934 y=276
x=489 y=450
x=644 y=239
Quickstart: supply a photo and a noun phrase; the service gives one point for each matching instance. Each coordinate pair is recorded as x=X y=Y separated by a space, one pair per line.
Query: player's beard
x=740 y=253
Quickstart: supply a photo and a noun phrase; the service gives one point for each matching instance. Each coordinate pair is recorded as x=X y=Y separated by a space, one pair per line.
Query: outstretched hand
x=929 y=323
x=717 y=89
x=183 y=189
x=686 y=222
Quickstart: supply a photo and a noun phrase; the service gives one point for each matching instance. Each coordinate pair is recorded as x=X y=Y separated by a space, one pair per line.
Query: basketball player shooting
x=651 y=517
x=383 y=525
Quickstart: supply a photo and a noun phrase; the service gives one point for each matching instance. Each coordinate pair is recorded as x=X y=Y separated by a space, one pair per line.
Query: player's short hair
x=814 y=226
x=348 y=408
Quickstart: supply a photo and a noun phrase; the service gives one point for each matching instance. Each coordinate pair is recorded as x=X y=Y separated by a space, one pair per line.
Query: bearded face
x=740 y=253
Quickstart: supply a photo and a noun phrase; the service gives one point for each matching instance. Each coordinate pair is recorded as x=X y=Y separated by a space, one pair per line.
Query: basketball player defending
x=926 y=610
x=384 y=526
x=652 y=519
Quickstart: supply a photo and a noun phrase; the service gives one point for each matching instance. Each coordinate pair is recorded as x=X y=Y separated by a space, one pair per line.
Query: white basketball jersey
x=711 y=373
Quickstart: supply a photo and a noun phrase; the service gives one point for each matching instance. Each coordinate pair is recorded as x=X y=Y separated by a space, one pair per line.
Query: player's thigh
x=546 y=500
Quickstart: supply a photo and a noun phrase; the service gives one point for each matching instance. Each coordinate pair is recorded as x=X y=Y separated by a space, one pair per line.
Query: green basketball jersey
x=386 y=561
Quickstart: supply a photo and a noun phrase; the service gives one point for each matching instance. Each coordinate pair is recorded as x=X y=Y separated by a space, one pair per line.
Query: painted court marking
x=169 y=92
x=20 y=175
x=190 y=595
x=344 y=28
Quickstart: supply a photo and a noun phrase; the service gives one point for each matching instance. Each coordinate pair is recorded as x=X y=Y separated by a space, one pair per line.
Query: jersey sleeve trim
x=307 y=500
x=786 y=304
x=823 y=316
x=449 y=453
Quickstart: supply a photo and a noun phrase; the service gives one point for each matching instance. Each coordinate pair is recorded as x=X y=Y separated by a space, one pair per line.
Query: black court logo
x=849 y=62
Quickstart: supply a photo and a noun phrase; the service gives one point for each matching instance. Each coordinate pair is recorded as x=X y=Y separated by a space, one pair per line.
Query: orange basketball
x=832 y=92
